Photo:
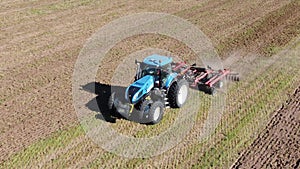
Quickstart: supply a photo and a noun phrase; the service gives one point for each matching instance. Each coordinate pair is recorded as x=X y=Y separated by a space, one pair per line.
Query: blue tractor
x=160 y=83
x=156 y=86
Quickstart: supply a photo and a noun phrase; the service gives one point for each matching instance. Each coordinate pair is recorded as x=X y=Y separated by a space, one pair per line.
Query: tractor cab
x=157 y=66
x=153 y=73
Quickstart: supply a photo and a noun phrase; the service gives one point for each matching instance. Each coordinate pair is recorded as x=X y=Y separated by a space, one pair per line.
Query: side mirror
x=194 y=64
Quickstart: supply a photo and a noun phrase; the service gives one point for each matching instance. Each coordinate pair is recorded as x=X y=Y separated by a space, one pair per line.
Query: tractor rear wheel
x=178 y=93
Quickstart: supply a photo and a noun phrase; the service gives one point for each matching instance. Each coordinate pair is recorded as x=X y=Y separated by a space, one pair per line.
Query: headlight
x=134 y=98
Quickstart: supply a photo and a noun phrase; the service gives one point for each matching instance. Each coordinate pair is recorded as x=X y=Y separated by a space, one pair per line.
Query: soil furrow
x=9 y=8
x=275 y=30
x=53 y=115
x=38 y=52
x=283 y=134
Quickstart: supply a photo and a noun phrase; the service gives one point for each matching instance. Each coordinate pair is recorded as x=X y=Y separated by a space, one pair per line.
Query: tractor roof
x=157 y=60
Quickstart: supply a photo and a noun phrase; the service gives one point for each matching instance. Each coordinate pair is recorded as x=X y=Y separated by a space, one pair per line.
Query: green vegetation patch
x=37 y=11
x=49 y=145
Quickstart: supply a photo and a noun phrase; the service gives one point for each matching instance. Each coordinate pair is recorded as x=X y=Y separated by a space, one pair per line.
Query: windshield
x=149 y=71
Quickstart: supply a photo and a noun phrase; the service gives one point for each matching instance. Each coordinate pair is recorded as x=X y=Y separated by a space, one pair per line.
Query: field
x=40 y=43
x=280 y=136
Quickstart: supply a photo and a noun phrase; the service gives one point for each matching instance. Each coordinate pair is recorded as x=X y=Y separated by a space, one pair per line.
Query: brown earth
x=278 y=145
x=40 y=44
x=37 y=59
x=266 y=36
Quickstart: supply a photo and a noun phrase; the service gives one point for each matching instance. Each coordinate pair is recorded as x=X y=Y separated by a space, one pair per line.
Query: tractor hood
x=139 y=89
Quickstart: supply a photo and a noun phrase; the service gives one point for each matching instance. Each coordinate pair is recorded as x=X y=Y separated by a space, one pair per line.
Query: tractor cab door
x=165 y=73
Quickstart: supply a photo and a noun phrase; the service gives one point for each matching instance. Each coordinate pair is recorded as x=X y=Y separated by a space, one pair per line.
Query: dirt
x=37 y=59
x=266 y=36
x=278 y=145
x=38 y=51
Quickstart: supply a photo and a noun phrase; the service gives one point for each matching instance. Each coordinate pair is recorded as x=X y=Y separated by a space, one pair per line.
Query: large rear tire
x=178 y=93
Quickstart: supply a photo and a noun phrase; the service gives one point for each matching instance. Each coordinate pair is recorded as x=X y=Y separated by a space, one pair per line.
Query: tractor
x=161 y=83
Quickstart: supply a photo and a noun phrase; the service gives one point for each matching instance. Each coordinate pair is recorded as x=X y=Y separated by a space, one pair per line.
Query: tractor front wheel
x=142 y=108
x=156 y=112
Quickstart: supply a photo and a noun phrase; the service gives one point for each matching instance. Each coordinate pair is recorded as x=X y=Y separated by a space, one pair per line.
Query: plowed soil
x=278 y=145
x=40 y=42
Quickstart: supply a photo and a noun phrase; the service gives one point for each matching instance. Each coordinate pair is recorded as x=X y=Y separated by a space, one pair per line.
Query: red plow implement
x=206 y=79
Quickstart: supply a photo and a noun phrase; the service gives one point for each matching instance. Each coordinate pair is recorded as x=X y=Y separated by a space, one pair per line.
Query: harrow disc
x=233 y=77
